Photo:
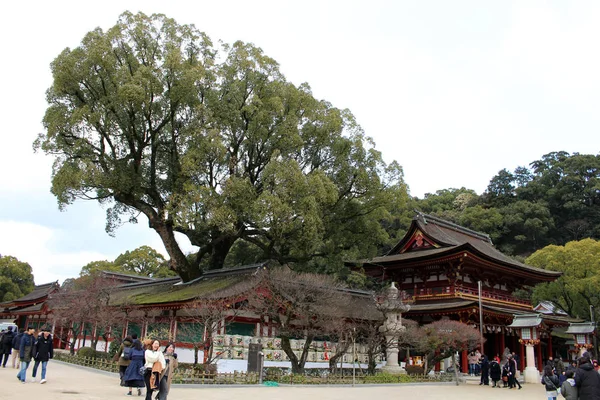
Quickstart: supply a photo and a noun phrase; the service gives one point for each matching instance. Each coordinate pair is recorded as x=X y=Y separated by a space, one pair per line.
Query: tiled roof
x=580 y=328
x=39 y=292
x=211 y=285
x=452 y=238
x=526 y=321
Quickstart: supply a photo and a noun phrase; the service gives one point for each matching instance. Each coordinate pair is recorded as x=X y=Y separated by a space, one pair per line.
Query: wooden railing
x=451 y=291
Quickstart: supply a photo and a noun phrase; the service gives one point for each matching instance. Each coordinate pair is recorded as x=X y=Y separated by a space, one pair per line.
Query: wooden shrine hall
x=438 y=266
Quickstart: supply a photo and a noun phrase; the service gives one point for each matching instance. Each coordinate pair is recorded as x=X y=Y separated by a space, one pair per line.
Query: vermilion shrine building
x=438 y=265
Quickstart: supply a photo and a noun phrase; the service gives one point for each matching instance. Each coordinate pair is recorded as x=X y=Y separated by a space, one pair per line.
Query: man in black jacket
x=587 y=379
x=43 y=351
x=6 y=345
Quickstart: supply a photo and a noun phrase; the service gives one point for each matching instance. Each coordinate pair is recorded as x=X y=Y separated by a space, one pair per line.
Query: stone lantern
x=583 y=334
x=527 y=326
x=392 y=307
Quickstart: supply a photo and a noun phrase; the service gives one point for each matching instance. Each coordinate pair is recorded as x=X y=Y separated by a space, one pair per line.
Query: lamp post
x=392 y=307
x=527 y=326
x=353 y=357
x=480 y=318
x=584 y=334
x=594 y=333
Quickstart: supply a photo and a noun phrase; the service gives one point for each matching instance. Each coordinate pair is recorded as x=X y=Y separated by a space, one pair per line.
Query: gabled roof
x=39 y=293
x=526 y=321
x=581 y=328
x=546 y=307
x=431 y=237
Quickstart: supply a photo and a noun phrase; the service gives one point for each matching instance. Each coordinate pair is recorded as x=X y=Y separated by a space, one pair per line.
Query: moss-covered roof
x=208 y=288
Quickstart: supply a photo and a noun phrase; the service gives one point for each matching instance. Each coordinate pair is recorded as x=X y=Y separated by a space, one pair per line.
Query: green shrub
x=387 y=378
x=114 y=346
x=86 y=352
x=207 y=368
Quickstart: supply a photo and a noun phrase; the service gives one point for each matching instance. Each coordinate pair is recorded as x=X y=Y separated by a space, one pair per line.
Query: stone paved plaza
x=66 y=381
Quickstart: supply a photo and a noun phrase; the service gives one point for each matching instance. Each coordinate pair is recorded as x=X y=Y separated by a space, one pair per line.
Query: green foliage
x=87 y=352
x=579 y=286
x=16 y=278
x=149 y=117
x=144 y=261
x=96 y=266
x=113 y=348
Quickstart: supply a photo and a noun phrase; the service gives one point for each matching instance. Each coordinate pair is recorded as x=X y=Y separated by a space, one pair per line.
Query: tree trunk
x=287 y=347
x=178 y=262
x=219 y=250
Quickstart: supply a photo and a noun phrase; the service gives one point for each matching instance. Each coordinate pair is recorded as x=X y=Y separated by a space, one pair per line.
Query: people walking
x=505 y=372
x=42 y=353
x=587 y=379
x=16 y=344
x=167 y=375
x=123 y=357
x=6 y=345
x=495 y=373
x=133 y=377
x=512 y=377
x=550 y=381
x=155 y=364
x=26 y=352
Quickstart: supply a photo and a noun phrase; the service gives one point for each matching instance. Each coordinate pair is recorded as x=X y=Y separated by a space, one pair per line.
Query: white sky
x=453 y=90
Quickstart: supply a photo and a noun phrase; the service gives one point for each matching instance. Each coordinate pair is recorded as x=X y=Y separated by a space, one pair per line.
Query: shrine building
x=438 y=266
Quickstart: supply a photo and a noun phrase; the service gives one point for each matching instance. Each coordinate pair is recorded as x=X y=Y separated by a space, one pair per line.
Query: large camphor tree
x=150 y=118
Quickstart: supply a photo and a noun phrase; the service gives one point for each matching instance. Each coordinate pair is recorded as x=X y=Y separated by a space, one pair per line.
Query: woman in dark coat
x=485 y=371
x=587 y=379
x=132 y=376
x=495 y=372
x=6 y=345
x=505 y=372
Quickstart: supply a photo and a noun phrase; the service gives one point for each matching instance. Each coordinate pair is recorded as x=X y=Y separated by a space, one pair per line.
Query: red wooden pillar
x=550 y=352
x=539 y=357
x=498 y=349
x=464 y=365
x=522 y=356
x=437 y=364
x=502 y=343
x=513 y=344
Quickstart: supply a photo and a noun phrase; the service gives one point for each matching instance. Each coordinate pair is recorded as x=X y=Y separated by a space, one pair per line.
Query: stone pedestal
x=532 y=375
x=391 y=365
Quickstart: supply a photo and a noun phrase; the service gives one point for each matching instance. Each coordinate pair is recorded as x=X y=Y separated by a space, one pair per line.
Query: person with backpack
x=6 y=345
x=16 y=345
x=123 y=357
